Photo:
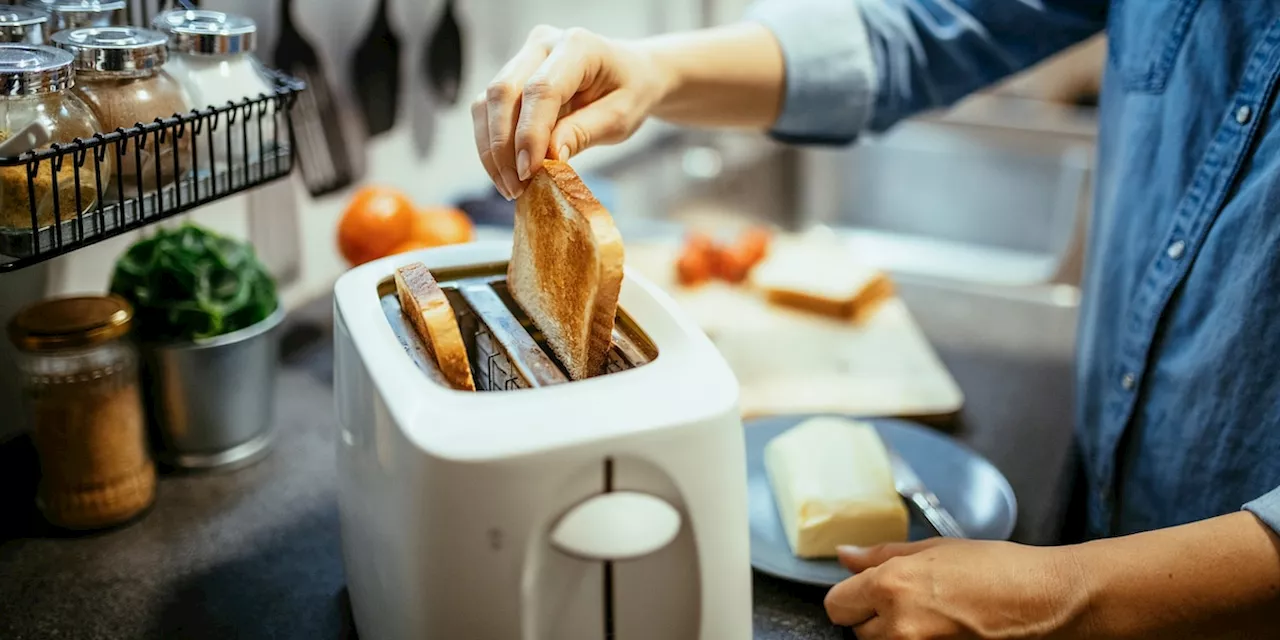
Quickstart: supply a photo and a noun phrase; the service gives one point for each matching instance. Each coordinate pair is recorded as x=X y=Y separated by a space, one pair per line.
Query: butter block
x=833 y=485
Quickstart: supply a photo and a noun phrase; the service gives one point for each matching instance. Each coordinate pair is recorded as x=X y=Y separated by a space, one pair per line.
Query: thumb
x=605 y=121
x=858 y=559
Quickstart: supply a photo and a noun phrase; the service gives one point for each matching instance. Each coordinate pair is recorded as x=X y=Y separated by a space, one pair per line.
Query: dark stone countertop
x=255 y=553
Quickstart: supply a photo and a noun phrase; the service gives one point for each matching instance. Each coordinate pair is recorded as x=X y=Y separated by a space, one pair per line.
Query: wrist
x=1077 y=592
x=668 y=76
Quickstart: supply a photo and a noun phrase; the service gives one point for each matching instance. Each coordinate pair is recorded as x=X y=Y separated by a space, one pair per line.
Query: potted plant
x=205 y=314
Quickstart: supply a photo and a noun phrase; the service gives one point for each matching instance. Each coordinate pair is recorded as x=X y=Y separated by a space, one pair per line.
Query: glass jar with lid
x=24 y=24
x=80 y=375
x=213 y=58
x=70 y=14
x=35 y=89
x=120 y=74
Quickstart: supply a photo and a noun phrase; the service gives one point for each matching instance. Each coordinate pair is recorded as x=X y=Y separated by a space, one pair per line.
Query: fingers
x=858 y=559
x=501 y=109
x=548 y=91
x=848 y=603
x=480 y=125
x=605 y=121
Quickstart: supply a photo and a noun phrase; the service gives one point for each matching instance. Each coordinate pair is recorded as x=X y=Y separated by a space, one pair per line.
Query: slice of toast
x=824 y=280
x=432 y=318
x=566 y=267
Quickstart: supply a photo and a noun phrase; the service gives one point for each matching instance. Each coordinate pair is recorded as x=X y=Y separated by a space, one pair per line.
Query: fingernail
x=564 y=153
x=512 y=182
x=848 y=549
x=522 y=165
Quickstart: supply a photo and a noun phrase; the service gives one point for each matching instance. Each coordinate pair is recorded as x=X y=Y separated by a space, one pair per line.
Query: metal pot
x=212 y=402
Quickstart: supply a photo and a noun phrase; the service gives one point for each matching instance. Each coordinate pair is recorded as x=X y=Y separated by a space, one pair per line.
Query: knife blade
x=913 y=489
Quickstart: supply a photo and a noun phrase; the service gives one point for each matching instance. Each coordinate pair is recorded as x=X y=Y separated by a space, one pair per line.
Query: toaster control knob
x=616 y=526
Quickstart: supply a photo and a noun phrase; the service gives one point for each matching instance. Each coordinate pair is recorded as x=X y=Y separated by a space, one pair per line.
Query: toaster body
x=611 y=507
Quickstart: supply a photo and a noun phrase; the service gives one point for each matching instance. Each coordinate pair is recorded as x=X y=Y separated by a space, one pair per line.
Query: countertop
x=254 y=553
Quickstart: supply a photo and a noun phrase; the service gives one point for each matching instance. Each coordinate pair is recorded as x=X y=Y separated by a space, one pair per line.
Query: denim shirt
x=1178 y=414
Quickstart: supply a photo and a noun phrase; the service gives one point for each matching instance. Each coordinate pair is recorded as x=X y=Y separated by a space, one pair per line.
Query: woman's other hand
x=566 y=90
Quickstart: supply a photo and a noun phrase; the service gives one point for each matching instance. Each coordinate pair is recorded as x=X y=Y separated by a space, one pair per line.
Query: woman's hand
x=947 y=588
x=565 y=91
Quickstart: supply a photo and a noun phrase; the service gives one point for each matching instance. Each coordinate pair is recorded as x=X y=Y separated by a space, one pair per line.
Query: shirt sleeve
x=853 y=65
x=1267 y=508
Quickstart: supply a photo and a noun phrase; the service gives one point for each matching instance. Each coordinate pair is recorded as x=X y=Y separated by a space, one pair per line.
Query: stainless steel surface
x=115 y=49
x=208 y=32
x=24 y=24
x=505 y=349
x=911 y=487
x=211 y=402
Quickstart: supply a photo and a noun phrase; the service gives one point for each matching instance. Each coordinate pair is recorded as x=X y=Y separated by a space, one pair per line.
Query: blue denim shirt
x=1179 y=348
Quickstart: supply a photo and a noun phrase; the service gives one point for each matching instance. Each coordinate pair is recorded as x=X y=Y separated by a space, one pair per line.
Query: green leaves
x=190 y=283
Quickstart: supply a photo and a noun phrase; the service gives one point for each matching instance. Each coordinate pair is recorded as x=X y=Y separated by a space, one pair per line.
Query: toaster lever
x=621 y=525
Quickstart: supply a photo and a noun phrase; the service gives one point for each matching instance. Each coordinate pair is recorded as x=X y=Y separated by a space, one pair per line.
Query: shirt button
x=1244 y=114
x=1128 y=380
x=1176 y=249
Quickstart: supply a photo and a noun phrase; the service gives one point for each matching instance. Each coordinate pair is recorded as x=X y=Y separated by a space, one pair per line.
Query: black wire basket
x=71 y=207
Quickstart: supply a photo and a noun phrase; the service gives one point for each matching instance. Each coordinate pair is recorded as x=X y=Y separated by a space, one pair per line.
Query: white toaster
x=534 y=509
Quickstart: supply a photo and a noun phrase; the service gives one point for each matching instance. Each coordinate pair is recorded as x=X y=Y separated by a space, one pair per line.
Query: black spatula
x=444 y=57
x=377 y=74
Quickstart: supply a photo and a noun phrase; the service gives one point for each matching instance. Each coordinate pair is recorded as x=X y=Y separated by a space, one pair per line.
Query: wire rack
x=76 y=199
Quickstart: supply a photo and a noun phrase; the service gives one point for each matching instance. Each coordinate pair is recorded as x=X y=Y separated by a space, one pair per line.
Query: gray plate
x=969 y=486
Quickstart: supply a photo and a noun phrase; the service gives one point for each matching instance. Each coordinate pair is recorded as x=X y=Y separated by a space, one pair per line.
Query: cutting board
x=790 y=361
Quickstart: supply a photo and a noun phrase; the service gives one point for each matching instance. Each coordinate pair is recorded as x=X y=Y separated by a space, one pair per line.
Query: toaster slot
x=505 y=349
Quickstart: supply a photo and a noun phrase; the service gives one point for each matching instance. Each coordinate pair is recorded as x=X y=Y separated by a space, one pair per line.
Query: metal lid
x=20 y=16
x=33 y=69
x=207 y=32
x=77 y=6
x=114 y=49
x=70 y=323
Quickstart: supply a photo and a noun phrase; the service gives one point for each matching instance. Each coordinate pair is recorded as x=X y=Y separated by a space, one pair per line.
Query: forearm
x=1219 y=578
x=729 y=76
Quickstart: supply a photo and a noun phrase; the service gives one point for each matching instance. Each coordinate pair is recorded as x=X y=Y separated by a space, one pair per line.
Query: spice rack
x=265 y=155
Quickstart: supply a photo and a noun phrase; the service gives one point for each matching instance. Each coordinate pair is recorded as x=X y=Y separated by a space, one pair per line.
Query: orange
x=412 y=244
x=376 y=220
x=441 y=226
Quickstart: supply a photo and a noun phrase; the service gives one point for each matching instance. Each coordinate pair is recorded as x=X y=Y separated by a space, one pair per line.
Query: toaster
x=536 y=508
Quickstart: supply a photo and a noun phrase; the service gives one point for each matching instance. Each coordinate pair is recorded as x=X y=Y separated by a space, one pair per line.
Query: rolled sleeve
x=830 y=73
x=1267 y=508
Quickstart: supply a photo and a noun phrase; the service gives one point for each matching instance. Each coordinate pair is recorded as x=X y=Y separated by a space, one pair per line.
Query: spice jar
x=24 y=24
x=88 y=425
x=71 y=14
x=212 y=57
x=120 y=75
x=35 y=86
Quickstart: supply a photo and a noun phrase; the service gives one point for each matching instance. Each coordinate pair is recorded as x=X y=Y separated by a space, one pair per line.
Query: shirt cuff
x=1267 y=509
x=830 y=73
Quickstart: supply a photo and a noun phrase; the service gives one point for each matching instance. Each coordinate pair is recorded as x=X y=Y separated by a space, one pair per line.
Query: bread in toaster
x=432 y=318
x=820 y=279
x=566 y=267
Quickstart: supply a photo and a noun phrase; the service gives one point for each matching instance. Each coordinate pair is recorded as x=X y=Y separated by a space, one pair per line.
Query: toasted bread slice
x=432 y=318
x=566 y=267
x=822 y=280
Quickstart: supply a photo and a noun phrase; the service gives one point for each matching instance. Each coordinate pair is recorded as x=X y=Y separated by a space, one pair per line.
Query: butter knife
x=910 y=486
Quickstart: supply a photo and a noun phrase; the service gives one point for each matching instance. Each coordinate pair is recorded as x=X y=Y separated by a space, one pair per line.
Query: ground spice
x=125 y=102
x=15 y=196
x=90 y=431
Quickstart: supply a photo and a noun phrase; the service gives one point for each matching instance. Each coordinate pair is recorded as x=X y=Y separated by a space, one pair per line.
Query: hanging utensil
x=376 y=73
x=444 y=57
x=323 y=152
x=415 y=20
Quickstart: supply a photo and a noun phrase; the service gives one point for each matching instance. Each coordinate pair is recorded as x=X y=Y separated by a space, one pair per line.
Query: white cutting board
x=797 y=362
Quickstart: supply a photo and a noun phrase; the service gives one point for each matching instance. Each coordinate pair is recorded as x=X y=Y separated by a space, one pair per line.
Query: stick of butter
x=833 y=485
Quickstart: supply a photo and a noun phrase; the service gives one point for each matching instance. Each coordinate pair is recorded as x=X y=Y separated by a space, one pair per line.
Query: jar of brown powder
x=88 y=424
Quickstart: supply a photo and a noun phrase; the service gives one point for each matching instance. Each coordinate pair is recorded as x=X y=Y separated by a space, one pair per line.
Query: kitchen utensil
x=35 y=134
x=444 y=57
x=213 y=401
x=274 y=229
x=797 y=362
x=976 y=492
x=506 y=513
x=413 y=19
x=911 y=488
x=376 y=73
x=323 y=151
